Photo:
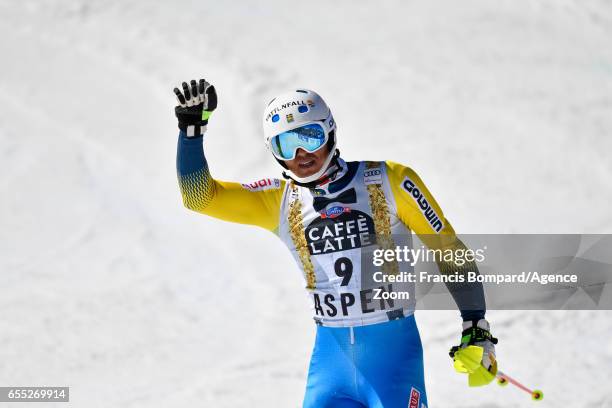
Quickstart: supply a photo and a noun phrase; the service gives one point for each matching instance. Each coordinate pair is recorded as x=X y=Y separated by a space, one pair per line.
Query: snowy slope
x=111 y=287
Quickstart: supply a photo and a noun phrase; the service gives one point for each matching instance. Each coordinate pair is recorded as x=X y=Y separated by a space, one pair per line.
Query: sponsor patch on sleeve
x=428 y=211
x=415 y=398
x=263 y=184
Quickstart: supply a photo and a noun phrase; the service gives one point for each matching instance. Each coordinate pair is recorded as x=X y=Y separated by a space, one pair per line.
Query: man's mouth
x=306 y=164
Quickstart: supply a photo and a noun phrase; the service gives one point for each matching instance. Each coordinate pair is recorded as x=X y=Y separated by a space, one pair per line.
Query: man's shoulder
x=378 y=163
x=394 y=170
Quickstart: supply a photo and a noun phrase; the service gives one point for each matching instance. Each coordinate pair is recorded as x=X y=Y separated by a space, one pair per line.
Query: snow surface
x=110 y=287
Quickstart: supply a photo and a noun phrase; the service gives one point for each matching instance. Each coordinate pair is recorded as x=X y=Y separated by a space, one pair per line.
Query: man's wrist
x=188 y=139
x=193 y=131
x=482 y=323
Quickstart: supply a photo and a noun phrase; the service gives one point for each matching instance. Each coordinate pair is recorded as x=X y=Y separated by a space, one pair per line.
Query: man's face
x=306 y=164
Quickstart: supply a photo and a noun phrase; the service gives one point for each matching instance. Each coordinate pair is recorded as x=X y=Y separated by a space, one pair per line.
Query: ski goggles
x=309 y=137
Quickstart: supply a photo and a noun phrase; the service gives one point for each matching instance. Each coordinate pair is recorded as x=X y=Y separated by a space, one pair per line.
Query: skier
x=367 y=352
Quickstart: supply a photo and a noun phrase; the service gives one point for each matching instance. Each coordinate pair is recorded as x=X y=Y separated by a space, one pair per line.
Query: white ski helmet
x=295 y=109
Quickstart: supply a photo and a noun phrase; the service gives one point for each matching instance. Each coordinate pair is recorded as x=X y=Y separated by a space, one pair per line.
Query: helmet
x=296 y=109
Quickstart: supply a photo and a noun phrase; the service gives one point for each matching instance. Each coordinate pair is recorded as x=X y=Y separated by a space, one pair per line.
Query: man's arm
x=420 y=212
x=257 y=204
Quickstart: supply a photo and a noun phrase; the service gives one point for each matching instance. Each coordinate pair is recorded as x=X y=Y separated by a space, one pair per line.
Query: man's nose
x=300 y=153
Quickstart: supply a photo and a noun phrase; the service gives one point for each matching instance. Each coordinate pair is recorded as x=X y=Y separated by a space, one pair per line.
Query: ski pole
x=503 y=380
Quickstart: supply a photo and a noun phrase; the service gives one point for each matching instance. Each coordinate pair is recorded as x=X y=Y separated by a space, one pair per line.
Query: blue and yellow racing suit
x=367 y=352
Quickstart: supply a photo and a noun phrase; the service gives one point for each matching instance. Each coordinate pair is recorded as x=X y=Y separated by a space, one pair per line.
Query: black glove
x=196 y=103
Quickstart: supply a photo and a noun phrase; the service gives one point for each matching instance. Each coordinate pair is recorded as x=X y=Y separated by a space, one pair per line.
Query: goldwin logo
x=426 y=209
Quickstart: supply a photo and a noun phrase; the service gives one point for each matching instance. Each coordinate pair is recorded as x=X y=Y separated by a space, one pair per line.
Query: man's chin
x=304 y=174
